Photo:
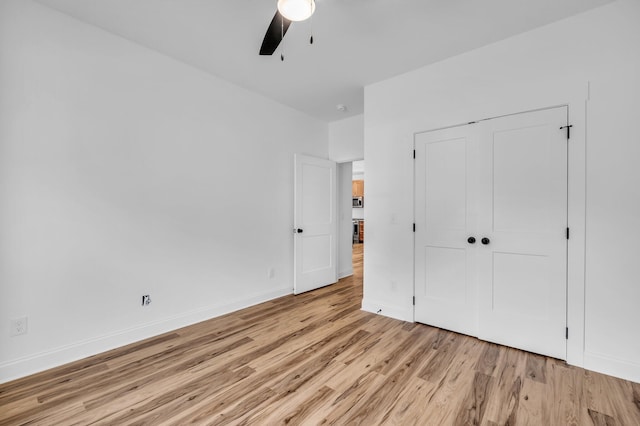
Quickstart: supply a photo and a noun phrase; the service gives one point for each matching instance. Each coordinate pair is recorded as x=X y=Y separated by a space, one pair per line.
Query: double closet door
x=491 y=229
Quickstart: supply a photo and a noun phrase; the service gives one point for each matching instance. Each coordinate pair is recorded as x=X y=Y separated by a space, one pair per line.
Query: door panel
x=445 y=185
x=315 y=215
x=522 y=179
x=445 y=276
x=522 y=209
x=317 y=253
x=521 y=285
x=444 y=288
x=317 y=190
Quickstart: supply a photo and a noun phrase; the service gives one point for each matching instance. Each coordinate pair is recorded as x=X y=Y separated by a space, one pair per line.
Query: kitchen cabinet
x=357 y=188
x=361 y=230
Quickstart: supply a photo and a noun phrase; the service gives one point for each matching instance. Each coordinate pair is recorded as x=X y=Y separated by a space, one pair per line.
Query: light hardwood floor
x=314 y=359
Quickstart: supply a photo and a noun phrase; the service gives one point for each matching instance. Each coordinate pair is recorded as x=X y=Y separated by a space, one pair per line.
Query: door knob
x=471 y=240
x=299 y=231
x=485 y=241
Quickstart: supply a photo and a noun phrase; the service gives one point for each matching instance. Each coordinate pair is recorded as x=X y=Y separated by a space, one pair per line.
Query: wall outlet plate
x=19 y=326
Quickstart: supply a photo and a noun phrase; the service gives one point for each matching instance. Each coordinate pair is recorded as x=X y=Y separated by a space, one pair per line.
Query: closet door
x=502 y=182
x=445 y=286
x=522 y=221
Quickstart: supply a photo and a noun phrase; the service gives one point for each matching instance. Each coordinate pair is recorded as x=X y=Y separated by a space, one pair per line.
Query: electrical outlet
x=146 y=300
x=18 y=326
x=271 y=273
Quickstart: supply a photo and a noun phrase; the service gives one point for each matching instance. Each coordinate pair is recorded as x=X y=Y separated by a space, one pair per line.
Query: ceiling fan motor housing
x=296 y=10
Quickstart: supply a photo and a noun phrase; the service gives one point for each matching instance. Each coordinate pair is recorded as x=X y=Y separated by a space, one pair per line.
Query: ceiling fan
x=288 y=11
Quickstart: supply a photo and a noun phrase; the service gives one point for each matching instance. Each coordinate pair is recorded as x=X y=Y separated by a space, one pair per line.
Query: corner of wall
x=398 y=312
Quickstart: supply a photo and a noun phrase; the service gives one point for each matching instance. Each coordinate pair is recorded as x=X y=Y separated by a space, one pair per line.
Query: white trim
x=349 y=159
x=398 y=312
x=605 y=364
x=345 y=274
x=576 y=218
x=25 y=366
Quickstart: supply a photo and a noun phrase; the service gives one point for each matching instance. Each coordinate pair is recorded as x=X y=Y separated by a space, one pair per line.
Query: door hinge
x=567 y=233
x=414 y=154
x=566 y=333
x=568 y=127
x=414 y=227
x=414 y=301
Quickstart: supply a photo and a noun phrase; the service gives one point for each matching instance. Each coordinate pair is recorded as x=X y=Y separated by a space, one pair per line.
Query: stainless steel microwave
x=358 y=202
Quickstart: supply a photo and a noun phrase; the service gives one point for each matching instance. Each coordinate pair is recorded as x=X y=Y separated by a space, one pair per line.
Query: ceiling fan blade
x=277 y=29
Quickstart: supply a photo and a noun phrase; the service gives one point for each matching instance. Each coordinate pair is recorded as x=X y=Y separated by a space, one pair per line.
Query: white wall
x=346 y=139
x=123 y=173
x=590 y=62
x=345 y=224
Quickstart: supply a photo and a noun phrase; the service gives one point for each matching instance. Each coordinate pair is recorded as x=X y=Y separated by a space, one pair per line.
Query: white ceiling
x=356 y=42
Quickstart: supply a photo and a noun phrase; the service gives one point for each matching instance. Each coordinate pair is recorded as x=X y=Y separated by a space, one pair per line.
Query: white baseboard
x=397 y=312
x=611 y=366
x=35 y=363
x=624 y=369
x=345 y=274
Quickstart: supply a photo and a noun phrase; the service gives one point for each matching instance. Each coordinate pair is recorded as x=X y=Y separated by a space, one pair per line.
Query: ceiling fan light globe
x=296 y=10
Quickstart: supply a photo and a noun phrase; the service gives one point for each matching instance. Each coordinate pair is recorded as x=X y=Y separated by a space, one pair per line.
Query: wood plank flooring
x=314 y=359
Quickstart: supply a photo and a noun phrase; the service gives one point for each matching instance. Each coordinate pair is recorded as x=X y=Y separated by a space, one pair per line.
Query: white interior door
x=445 y=288
x=315 y=225
x=523 y=215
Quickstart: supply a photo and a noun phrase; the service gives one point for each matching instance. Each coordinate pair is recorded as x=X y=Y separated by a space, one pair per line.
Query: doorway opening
x=357 y=217
x=351 y=207
x=358 y=206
